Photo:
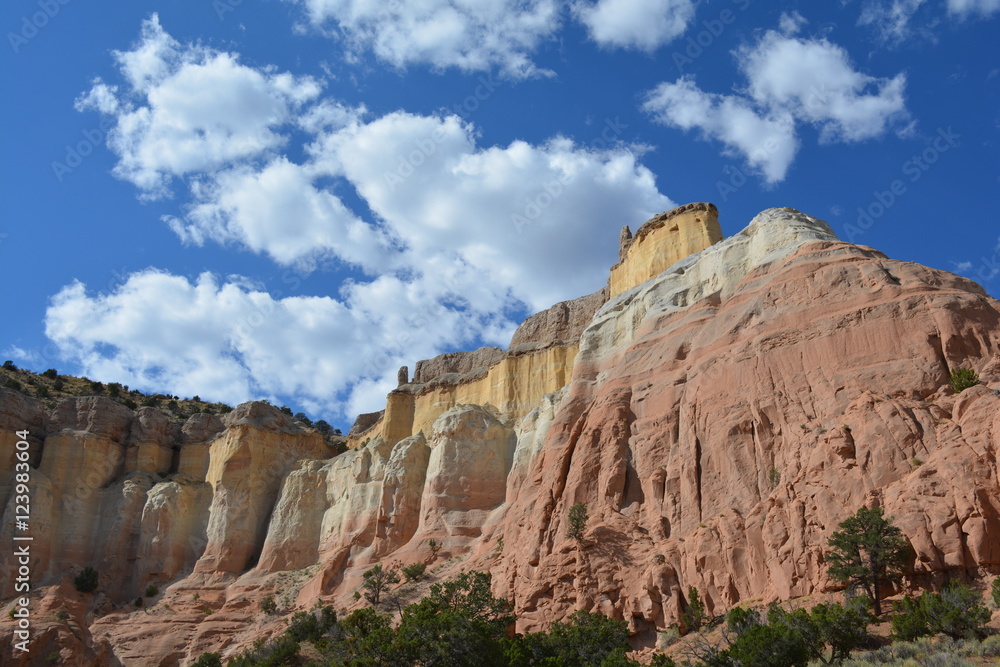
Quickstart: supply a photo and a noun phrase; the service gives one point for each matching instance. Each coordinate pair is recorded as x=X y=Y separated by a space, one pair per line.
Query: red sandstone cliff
x=721 y=418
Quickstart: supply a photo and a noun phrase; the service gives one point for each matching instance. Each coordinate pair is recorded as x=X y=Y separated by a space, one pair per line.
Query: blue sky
x=289 y=200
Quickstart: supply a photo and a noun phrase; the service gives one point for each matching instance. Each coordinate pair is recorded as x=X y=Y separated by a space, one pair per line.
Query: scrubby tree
x=694 y=614
x=577 y=521
x=208 y=660
x=86 y=581
x=868 y=552
x=961 y=379
x=957 y=611
x=587 y=639
x=434 y=546
x=460 y=622
x=377 y=582
x=414 y=571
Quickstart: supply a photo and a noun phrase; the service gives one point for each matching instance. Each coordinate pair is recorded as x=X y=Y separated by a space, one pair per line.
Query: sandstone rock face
x=18 y=413
x=457 y=363
x=561 y=324
x=662 y=241
x=246 y=469
x=718 y=419
x=365 y=421
x=725 y=416
x=471 y=454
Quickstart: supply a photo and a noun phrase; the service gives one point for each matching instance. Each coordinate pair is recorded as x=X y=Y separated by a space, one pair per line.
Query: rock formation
x=719 y=408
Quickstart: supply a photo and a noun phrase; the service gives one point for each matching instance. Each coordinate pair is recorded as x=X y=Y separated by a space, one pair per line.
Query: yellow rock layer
x=514 y=386
x=656 y=249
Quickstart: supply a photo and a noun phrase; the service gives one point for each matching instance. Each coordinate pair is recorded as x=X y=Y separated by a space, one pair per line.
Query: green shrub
x=957 y=611
x=577 y=521
x=377 y=581
x=995 y=591
x=768 y=645
x=50 y=374
x=842 y=628
x=694 y=614
x=152 y=590
x=415 y=571
x=62 y=615
x=908 y=622
x=268 y=605
x=138 y=601
x=11 y=383
x=58 y=384
x=42 y=391
x=990 y=648
x=303 y=626
x=963 y=378
x=86 y=581
x=208 y=660
x=9 y=365
x=739 y=620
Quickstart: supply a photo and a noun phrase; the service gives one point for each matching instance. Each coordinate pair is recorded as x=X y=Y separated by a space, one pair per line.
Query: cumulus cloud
x=228 y=341
x=790 y=81
x=189 y=109
x=454 y=241
x=643 y=25
x=471 y=36
x=890 y=19
x=966 y=8
x=894 y=20
x=766 y=139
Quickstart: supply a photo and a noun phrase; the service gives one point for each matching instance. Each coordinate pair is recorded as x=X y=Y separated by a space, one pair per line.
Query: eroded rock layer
x=717 y=418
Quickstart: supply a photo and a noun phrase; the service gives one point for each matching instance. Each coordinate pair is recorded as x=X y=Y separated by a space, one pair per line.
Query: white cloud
x=635 y=24
x=790 y=23
x=891 y=20
x=278 y=210
x=894 y=20
x=190 y=109
x=767 y=140
x=790 y=81
x=472 y=35
x=226 y=341
x=965 y=8
x=814 y=80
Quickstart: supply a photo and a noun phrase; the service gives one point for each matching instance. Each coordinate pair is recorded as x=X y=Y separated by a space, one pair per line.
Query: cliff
x=718 y=418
